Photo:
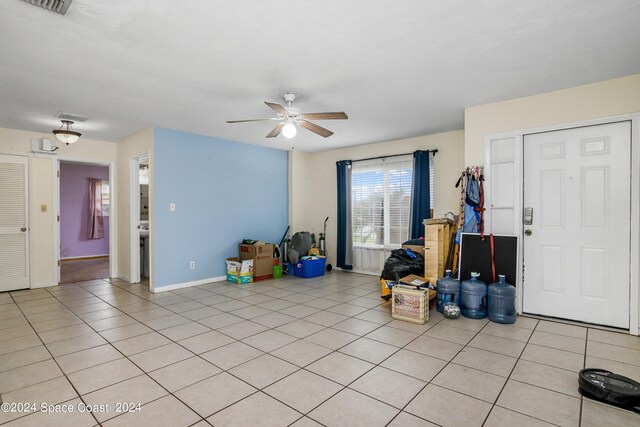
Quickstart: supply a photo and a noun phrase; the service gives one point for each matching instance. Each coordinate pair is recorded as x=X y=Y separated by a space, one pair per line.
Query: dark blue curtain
x=420 y=197
x=345 y=245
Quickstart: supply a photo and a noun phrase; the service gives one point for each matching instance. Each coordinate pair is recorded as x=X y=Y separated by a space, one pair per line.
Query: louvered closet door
x=14 y=233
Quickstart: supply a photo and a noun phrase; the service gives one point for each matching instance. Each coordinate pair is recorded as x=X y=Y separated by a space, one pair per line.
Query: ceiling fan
x=290 y=117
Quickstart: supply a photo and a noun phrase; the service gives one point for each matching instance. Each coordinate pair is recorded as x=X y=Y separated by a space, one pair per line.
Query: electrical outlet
x=192 y=265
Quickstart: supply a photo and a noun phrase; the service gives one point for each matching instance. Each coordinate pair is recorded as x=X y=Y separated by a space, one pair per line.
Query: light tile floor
x=291 y=351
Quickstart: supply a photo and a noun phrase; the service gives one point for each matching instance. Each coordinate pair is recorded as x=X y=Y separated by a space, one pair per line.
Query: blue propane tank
x=448 y=290
x=502 y=301
x=473 y=297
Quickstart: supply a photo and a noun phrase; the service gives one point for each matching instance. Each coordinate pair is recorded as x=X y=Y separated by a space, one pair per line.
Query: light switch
x=172 y=207
x=43 y=208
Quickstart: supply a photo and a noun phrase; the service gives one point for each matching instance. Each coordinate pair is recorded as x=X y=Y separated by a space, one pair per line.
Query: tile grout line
x=56 y=362
x=436 y=374
x=510 y=373
x=584 y=365
x=196 y=355
x=145 y=373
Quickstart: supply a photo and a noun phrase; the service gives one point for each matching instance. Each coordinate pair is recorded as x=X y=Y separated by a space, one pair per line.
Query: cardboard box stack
x=262 y=256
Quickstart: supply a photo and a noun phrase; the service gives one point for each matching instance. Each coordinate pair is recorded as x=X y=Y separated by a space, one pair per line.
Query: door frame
x=134 y=212
x=113 y=221
x=517 y=139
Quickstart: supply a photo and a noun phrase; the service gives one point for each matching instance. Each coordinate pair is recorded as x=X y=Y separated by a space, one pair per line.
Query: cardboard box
x=262 y=256
x=414 y=280
x=239 y=272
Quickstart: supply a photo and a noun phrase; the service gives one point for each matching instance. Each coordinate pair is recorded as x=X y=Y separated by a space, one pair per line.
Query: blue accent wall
x=224 y=192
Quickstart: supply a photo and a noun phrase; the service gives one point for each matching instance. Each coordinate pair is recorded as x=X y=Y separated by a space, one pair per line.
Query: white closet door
x=576 y=249
x=14 y=227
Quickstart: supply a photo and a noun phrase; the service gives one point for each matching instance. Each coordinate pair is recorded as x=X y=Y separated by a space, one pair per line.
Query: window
x=381 y=201
x=105 y=197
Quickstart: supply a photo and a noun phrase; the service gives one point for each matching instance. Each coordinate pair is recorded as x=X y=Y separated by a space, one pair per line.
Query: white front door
x=577 y=248
x=14 y=227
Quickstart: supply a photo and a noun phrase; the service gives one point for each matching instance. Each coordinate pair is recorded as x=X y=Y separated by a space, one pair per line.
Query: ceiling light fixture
x=289 y=130
x=65 y=133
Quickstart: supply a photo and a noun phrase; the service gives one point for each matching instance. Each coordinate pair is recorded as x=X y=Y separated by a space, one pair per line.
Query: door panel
x=14 y=229
x=576 y=255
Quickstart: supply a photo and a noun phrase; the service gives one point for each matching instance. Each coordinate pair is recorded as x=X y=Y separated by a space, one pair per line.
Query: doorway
x=577 y=224
x=140 y=219
x=85 y=211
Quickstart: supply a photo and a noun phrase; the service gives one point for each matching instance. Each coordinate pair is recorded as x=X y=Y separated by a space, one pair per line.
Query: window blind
x=381 y=201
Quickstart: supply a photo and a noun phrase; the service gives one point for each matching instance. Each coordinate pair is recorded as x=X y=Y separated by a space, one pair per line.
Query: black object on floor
x=607 y=387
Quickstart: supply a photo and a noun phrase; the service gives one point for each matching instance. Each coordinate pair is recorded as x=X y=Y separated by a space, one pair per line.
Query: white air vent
x=70 y=116
x=57 y=6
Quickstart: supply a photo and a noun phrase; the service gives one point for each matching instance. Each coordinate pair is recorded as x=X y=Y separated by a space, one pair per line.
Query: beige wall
x=132 y=146
x=313 y=184
x=41 y=191
x=597 y=100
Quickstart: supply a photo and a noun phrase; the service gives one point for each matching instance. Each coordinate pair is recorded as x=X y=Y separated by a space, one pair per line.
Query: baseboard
x=124 y=278
x=43 y=285
x=76 y=258
x=166 y=288
x=368 y=273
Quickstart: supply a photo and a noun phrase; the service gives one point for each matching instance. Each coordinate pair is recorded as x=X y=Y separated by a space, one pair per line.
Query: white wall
x=131 y=146
x=313 y=183
x=41 y=192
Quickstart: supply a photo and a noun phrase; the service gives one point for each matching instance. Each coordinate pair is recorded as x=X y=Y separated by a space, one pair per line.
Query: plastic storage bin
x=502 y=301
x=310 y=267
x=447 y=291
x=473 y=297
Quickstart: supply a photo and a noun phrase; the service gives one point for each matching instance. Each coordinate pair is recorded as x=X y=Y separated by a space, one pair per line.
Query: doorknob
x=23 y=229
x=528 y=232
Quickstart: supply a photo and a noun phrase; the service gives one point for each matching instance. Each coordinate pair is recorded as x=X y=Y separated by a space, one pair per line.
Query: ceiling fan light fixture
x=66 y=134
x=289 y=130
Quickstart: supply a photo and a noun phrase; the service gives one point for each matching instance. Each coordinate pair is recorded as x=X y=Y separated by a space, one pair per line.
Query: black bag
x=401 y=263
x=607 y=387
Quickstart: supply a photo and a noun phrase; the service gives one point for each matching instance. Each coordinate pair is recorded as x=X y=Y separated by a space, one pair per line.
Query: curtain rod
x=393 y=155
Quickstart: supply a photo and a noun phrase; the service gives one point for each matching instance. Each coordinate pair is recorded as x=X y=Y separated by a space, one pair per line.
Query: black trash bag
x=401 y=263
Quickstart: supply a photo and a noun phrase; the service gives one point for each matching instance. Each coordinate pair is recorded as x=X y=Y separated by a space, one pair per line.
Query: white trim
x=134 y=219
x=44 y=285
x=368 y=273
x=124 y=278
x=518 y=136
x=113 y=220
x=83 y=257
x=189 y=284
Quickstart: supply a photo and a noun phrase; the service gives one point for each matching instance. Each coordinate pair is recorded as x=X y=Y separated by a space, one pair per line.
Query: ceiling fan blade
x=275 y=131
x=250 y=120
x=326 y=116
x=279 y=108
x=316 y=129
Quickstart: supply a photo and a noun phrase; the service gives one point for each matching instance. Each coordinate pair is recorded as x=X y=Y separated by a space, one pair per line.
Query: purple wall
x=74 y=211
